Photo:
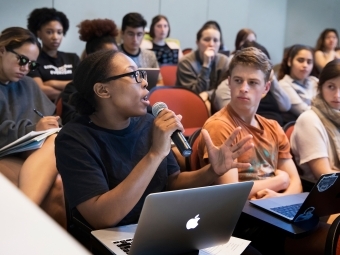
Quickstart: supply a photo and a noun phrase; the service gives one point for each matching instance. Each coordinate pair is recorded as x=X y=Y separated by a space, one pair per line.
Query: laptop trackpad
x=280 y=201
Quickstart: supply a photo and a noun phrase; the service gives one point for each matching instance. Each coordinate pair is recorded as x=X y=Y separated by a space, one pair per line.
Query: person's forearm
x=202 y=177
x=294 y=186
x=111 y=207
x=276 y=183
x=56 y=84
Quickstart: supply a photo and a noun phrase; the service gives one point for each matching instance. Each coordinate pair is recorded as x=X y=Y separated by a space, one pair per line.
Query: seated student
x=56 y=67
x=114 y=146
x=272 y=169
x=167 y=52
x=316 y=138
x=116 y=154
x=132 y=33
x=201 y=70
x=222 y=47
x=99 y=34
x=243 y=35
x=327 y=48
x=270 y=159
x=19 y=96
x=271 y=105
x=294 y=77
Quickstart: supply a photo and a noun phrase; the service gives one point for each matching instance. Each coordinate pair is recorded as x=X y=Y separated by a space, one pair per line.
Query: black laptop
x=322 y=200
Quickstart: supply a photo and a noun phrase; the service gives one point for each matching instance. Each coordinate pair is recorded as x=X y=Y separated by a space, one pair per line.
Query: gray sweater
x=192 y=75
x=17 y=101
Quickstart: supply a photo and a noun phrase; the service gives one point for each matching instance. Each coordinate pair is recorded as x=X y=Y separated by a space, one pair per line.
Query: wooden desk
x=293 y=228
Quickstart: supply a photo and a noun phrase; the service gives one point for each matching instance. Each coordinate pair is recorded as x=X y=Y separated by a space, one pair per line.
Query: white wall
x=307 y=19
x=277 y=23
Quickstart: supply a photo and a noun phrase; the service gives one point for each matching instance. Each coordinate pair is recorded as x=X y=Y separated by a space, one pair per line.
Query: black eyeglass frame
x=143 y=75
x=32 y=65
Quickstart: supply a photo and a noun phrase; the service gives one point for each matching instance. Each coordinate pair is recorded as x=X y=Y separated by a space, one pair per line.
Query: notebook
x=153 y=75
x=31 y=141
x=322 y=200
x=181 y=221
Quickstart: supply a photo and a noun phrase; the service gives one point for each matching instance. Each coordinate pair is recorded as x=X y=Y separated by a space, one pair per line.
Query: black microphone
x=177 y=136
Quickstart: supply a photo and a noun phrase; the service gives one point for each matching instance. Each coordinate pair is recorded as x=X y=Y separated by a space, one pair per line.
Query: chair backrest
x=59 y=106
x=288 y=128
x=333 y=241
x=193 y=162
x=182 y=101
x=307 y=184
x=169 y=74
x=186 y=51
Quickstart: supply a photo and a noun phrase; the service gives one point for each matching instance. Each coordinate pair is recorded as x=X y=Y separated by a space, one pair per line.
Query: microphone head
x=158 y=107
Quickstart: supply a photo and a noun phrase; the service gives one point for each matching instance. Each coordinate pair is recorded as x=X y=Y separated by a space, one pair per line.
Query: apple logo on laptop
x=193 y=223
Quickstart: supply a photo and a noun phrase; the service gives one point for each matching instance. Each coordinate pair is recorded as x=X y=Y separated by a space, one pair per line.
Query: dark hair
x=213 y=22
x=42 y=16
x=254 y=57
x=96 y=33
x=256 y=45
x=154 y=21
x=321 y=40
x=95 y=67
x=289 y=56
x=330 y=71
x=14 y=37
x=205 y=27
x=133 y=19
x=242 y=36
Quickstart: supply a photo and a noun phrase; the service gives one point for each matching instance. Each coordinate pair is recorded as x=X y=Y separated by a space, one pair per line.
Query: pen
x=39 y=113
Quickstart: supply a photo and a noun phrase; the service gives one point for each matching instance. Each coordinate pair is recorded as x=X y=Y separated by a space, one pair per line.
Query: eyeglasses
x=22 y=61
x=138 y=74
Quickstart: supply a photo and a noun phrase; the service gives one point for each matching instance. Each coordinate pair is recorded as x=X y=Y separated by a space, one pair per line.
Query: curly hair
x=96 y=33
x=42 y=16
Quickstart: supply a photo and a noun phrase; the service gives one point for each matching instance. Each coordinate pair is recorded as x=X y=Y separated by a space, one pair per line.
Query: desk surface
x=294 y=228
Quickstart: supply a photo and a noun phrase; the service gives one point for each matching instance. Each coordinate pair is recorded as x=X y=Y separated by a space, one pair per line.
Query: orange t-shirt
x=270 y=143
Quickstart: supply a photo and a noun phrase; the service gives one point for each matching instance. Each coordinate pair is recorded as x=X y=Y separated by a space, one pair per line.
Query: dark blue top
x=93 y=160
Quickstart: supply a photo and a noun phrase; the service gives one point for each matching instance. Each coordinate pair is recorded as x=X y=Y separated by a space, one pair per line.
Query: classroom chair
x=182 y=101
x=187 y=50
x=168 y=73
x=193 y=162
x=332 y=246
x=307 y=184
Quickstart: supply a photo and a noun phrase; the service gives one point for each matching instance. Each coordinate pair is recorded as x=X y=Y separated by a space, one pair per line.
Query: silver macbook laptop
x=153 y=74
x=322 y=200
x=181 y=221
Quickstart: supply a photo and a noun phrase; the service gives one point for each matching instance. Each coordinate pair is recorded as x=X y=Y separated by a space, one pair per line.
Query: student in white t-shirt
x=316 y=137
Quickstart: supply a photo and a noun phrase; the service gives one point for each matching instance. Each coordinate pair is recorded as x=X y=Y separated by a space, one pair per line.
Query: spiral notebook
x=31 y=141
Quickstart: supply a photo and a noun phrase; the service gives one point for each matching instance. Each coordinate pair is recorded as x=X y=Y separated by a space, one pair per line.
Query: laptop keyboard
x=287 y=210
x=124 y=245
